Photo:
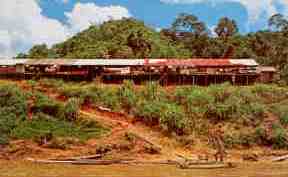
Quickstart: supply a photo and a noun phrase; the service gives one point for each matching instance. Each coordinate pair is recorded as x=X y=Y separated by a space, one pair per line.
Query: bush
x=48 y=106
x=42 y=124
x=150 y=111
x=172 y=118
x=71 y=109
x=4 y=140
x=284 y=119
x=280 y=140
x=13 y=110
x=13 y=100
x=239 y=139
x=281 y=110
x=127 y=95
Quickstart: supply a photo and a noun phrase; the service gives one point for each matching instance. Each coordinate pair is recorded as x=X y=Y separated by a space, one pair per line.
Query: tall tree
x=39 y=51
x=226 y=27
x=279 y=23
x=189 y=23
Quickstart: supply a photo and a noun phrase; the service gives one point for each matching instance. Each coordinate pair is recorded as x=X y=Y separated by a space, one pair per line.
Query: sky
x=24 y=23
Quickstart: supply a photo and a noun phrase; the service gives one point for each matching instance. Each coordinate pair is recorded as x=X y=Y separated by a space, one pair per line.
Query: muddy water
x=42 y=170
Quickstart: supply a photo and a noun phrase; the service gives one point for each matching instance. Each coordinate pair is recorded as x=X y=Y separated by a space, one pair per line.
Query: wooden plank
x=79 y=157
x=279 y=159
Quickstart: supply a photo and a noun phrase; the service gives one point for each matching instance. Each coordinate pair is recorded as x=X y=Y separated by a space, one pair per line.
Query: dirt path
x=122 y=123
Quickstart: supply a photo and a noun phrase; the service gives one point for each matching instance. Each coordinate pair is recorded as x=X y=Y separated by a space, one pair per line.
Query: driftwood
x=279 y=159
x=50 y=161
x=209 y=166
x=104 y=109
x=155 y=147
x=96 y=156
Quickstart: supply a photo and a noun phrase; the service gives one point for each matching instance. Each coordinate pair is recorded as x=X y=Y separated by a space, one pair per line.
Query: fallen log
x=155 y=147
x=97 y=162
x=101 y=108
x=208 y=166
x=50 y=161
x=96 y=156
x=279 y=159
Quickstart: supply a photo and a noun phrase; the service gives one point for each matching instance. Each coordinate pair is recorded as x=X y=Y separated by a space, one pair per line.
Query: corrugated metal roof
x=50 y=62
x=11 y=62
x=109 y=62
x=246 y=62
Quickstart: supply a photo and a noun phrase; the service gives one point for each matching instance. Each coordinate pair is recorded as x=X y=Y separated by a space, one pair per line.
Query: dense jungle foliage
x=247 y=113
x=186 y=38
x=25 y=115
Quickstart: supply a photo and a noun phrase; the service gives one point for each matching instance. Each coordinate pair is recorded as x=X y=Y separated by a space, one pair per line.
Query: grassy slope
x=49 y=119
x=253 y=115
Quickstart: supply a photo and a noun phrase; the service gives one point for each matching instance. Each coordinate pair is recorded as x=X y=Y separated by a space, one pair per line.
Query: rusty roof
x=203 y=62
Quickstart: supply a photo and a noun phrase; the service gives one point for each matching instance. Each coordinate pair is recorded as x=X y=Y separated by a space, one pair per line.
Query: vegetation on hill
x=34 y=116
x=247 y=113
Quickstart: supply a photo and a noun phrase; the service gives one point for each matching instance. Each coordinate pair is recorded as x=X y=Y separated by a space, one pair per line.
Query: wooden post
x=247 y=80
x=193 y=80
x=233 y=79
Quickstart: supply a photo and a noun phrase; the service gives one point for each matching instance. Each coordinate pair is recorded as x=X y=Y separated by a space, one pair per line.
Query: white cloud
x=83 y=15
x=23 y=25
x=255 y=8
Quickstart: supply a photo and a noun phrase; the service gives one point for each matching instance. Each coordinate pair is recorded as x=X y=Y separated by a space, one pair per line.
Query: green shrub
x=284 y=119
x=198 y=101
x=151 y=90
x=48 y=106
x=13 y=109
x=172 y=118
x=150 y=111
x=110 y=99
x=281 y=110
x=270 y=93
x=71 y=109
x=42 y=124
x=4 y=140
x=280 y=140
x=127 y=95
x=13 y=100
x=56 y=83
x=239 y=139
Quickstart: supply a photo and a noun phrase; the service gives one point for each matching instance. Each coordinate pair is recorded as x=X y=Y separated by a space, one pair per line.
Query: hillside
x=56 y=119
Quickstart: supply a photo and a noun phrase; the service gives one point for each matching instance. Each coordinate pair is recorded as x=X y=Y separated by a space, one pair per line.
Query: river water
x=24 y=169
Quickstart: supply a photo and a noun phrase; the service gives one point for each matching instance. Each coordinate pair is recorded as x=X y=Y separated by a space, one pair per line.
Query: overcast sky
x=24 y=23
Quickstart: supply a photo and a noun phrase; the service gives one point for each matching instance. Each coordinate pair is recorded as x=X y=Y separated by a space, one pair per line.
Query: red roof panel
x=192 y=62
